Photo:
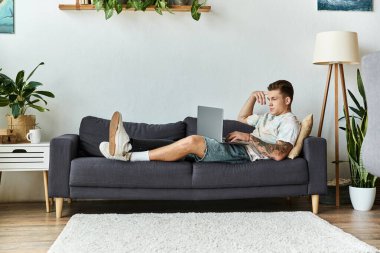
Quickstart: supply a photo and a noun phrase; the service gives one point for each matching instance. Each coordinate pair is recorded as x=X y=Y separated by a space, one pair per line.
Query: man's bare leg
x=119 y=139
x=193 y=144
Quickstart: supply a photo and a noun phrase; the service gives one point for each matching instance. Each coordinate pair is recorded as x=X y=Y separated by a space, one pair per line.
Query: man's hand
x=259 y=96
x=237 y=136
x=247 y=109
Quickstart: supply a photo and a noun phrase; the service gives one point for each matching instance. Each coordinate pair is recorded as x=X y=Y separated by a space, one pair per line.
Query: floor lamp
x=334 y=49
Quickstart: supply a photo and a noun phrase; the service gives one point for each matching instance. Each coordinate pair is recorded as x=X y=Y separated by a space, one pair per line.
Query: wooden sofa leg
x=315 y=203
x=58 y=207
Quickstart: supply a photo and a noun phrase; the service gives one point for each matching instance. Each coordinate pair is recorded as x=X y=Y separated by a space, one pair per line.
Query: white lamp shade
x=336 y=47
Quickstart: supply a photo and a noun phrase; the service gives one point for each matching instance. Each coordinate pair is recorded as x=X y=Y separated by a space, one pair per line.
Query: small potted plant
x=362 y=189
x=20 y=95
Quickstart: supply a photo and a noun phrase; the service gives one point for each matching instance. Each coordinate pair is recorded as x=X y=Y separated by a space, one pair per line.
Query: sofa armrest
x=315 y=153
x=63 y=149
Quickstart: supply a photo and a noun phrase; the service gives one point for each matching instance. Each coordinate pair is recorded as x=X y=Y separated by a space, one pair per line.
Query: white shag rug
x=284 y=232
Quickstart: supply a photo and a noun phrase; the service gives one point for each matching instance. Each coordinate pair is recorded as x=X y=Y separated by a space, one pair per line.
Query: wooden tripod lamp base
x=336 y=48
x=338 y=68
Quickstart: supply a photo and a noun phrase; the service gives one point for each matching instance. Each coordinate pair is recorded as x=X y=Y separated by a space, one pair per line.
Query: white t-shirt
x=270 y=129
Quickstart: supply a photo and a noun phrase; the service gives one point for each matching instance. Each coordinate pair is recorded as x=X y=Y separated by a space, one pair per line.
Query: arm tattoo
x=280 y=149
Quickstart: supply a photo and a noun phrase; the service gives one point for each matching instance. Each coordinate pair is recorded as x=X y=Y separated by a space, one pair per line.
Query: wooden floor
x=25 y=227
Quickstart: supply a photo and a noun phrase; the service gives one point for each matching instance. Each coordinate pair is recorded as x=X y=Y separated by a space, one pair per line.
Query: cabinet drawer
x=24 y=157
x=23 y=149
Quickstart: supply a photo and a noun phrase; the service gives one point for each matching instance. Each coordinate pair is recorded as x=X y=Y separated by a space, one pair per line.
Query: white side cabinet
x=27 y=157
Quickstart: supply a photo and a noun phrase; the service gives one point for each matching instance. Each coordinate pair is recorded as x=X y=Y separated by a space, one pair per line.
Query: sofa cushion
x=102 y=172
x=250 y=174
x=228 y=126
x=94 y=130
x=306 y=127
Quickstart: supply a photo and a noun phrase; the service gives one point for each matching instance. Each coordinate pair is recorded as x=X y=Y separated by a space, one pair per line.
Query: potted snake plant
x=20 y=95
x=362 y=189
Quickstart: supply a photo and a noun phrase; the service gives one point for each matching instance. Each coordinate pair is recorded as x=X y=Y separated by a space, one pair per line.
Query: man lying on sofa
x=274 y=136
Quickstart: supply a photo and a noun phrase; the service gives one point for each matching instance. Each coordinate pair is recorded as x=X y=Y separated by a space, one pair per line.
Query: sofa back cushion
x=95 y=130
x=228 y=126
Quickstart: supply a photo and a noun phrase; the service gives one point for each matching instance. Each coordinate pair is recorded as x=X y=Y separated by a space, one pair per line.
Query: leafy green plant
x=195 y=9
x=356 y=129
x=109 y=6
x=20 y=94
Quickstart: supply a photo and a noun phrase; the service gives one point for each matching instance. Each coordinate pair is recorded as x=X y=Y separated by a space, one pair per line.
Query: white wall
x=157 y=69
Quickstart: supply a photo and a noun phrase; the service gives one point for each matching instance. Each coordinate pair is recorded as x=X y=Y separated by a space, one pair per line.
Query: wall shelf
x=174 y=8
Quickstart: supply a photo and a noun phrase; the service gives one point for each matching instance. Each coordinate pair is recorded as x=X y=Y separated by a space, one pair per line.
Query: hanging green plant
x=109 y=6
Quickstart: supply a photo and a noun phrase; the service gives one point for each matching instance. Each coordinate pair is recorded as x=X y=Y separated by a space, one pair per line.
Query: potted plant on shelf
x=20 y=95
x=109 y=6
x=362 y=189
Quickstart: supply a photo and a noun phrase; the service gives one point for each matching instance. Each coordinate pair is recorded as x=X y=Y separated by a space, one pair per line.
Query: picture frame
x=345 y=5
x=7 y=16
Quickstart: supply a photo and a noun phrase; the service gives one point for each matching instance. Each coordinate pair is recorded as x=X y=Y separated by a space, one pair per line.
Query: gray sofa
x=78 y=170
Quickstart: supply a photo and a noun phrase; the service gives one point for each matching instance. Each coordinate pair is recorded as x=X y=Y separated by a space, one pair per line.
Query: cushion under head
x=306 y=127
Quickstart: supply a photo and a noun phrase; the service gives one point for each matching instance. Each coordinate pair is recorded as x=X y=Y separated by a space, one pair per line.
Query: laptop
x=210 y=124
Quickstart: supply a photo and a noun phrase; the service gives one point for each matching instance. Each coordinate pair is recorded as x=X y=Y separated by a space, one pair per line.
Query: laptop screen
x=210 y=122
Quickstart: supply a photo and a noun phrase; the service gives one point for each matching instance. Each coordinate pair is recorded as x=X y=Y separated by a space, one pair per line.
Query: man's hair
x=284 y=86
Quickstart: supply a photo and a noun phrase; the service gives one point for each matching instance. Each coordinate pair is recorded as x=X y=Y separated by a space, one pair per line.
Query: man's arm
x=247 y=108
x=277 y=151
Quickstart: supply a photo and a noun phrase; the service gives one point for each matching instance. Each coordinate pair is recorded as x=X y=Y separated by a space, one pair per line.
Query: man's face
x=278 y=104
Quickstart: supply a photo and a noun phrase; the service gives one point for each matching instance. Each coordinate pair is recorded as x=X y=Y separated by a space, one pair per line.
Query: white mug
x=34 y=136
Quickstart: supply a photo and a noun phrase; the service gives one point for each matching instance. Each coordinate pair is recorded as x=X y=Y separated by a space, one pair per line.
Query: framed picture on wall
x=345 y=5
x=7 y=19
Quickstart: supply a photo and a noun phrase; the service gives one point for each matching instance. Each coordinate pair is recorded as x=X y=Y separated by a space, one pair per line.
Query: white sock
x=140 y=156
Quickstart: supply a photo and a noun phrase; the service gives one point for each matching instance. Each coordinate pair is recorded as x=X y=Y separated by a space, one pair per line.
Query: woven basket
x=21 y=126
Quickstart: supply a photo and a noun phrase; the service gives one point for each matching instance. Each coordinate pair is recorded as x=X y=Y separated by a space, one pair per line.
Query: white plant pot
x=362 y=199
